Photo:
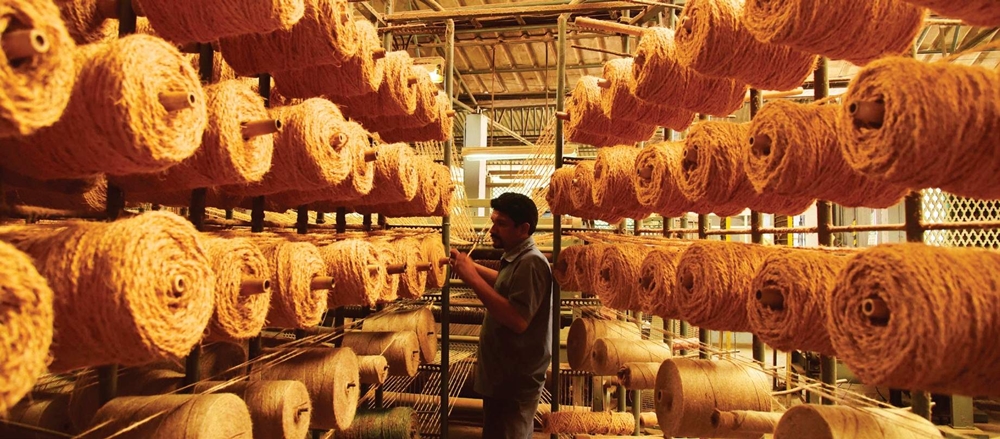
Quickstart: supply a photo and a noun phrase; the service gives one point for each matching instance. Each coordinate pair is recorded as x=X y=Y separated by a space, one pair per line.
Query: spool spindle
x=424 y=266
x=395 y=268
x=260 y=128
x=177 y=100
x=378 y=54
x=250 y=287
x=876 y=310
x=20 y=44
x=450 y=113
x=760 y=145
x=868 y=114
x=604 y=83
x=412 y=80
x=562 y=115
x=321 y=283
x=371 y=155
x=771 y=298
x=605 y=26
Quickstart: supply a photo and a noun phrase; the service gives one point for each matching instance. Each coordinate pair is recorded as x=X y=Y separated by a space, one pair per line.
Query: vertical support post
x=622 y=399
x=666 y=227
x=449 y=88
x=229 y=214
x=366 y=222
x=320 y=217
x=257 y=213
x=107 y=379
x=557 y=219
x=704 y=335
x=341 y=219
x=756 y=102
x=912 y=214
x=636 y=410
x=824 y=216
x=683 y=333
x=302 y=220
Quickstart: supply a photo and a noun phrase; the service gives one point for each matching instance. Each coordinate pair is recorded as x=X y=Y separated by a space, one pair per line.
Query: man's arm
x=488 y=274
x=499 y=307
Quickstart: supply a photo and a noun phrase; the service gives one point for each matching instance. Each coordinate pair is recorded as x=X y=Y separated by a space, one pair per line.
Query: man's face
x=504 y=232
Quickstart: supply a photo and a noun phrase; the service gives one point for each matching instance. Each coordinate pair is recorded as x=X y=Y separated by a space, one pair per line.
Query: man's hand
x=463 y=265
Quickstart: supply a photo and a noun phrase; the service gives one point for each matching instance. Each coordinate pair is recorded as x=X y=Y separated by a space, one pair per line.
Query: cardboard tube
x=254 y=286
x=875 y=309
x=177 y=100
x=260 y=127
x=604 y=83
x=869 y=114
x=395 y=268
x=562 y=115
x=771 y=298
x=321 y=283
x=25 y=43
x=371 y=155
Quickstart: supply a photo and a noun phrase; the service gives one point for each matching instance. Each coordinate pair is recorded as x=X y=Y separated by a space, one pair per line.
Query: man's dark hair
x=518 y=207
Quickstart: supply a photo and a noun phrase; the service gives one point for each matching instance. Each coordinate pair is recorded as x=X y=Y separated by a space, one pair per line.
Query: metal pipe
x=756 y=237
x=508 y=11
x=302 y=219
x=556 y=307
x=637 y=411
x=341 y=220
x=107 y=380
x=449 y=87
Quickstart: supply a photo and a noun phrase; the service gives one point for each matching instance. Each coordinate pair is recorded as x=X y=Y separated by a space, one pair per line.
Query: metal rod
x=257 y=215
x=756 y=102
x=302 y=220
x=341 y=219
x=556 y=308
x=192 y=366
x=107 y=380
x=449 y=88
x=607 y=26
x=196 y=210
x=507 y=11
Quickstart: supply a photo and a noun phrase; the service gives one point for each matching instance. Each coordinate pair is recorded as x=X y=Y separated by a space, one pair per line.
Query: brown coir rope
x=294 y=266
x=425 y=113
x=400 y=349
x=585 y=268
x=656 y=178
x=639 y=375
x=613 y=189
x=413 y=281
x=974 y=12
x=188 y=21
x=220 y=416
x=842 y=422
x=358 y=75
x=714 y=280
x=394 y=423
x=85 y=396
x=354 y=265
x=859 y=32
x=324 y=35
x=558 y=194
x=891 y=317
x=581 y=194
x=85 y=195
x=396 y=97
x=373 y=369
x=569 y=422
x=689 y=391
x=236 y=148
x=142 y=287
x=27 y=330
x=618 y=276
x=44 y=411
x=388 y=256
x=434 y=252
x=239 y=312
x=619 y=103
x=610 y=354
x=712 y=40
x=441 y=129
x=562 y=270
x=893 y=128
x=278 y=409
x=396 y=177
x=331 y=378
x=661 y=79
x=137 y=106
x=658 y=282
x=789 y=296
x=584 y=333
x=419 y=320
x=36 y=66
x=586 y=114
x=795 y=150
x=87 y=20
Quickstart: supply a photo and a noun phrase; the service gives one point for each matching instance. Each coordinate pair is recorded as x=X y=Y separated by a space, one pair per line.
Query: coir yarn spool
x=373 y=369
x=611 y=353
x=586 y=113
x=293 y=267
x=441 y=129
x=387 y=256
x=714 y=281
x=842 y=422
x=708 y=26
x=658 y=282
x=48 y=412
x=331 y=378
x=795 y=150
x=581 y=194
x=889 y=318
x=688 y=391
x=202 y=416
x=569 y=422
x=85 y=195
x=87 y=20
x=618 y=275
x=358 y=75
x=190 y=21
x=584 y=333
x=585 y=268
x=660 y=78
x=425 y=113
x=278 y=409
x=394 y=423
x=395 y=95
x=656 y=178
x=612 y=189
x=876 y=28
x=619 y=103
x=400 y=349
x=149 y=274
x=221 y=71
x=396 y=179
x=85 y=399
x=434 y=252
x=137 y=106
x=228 y=155
x=889 y=133
x=239 y=313
x=37 y=66
x=360 y=277
x=639 y=375
x=714 y=176
x=218 y=360
x=325 y=35
x=562 y=270
x=27 y=330
x=427 y=199
x=974 y=12
x=558 y=193
x=789 y=296
x=413 y=281
x=419 y=320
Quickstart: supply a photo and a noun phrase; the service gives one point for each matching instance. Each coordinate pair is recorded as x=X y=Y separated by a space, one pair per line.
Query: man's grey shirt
x=512 y=365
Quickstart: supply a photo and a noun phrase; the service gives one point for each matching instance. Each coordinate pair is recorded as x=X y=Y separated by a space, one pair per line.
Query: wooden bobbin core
x=424 y=266
x=260 y=128
x=371 y=155
x=321 y=283
x=868 y=114
x=562 y=115
x=771 y=298
x=604 y=83
x=26 y=43
x=378 y=54
x=251 y=287
x=876 y=310
x=177 y=100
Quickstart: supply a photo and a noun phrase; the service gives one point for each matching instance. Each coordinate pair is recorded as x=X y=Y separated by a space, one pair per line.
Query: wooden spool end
x=321 y=283
x=371 y=155
x=760 y=145
x=444 y=261
x=876 y=310
x=645 y=172
x=607 y=26
x=338 y=140
x=450 y=113
x=412 y=80
x=771 y=298
x=25 y=43
x=179 y=285
x=687 y=24
x=378 y=54
x=260 y=128
x=868 y=114
x=424 y=266
x=177 y=100
x=604 y=83
x=562 y=115
x=395 y=268
x=250 y=287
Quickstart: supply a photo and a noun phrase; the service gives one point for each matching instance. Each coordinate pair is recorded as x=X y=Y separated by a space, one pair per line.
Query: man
x=515 y=343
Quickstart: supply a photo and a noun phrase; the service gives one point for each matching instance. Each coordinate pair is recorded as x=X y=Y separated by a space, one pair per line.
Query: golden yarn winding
x=201 y=21
x=227 y=155
x=360 y=276
x=137 y=106
x=48 y=412
x=331 y=378
x=974 y=12
x=87 y=20
x=373 y=369
x=639 y=375
x=26 y=334
x=569 y=422
x=842 y=422
x=221 y=71
x=396 y=177
x=85 y=396
x=85 y=195
x=789 y=296
x=581 y=194
x=419 y=320
x=395 y=95
x=434 y=251
x=610 y=354
x=688 y=391
x=585 y=268
x=714 y=282
x=401 y=349
x=394 y=423
x=293 y=267
x=658 y=282
x=584 y=333
x=859 y=32
x=896 y=129
x=238 y=314
x=562 y=270
x=388 y=256
x=325 y=35
x=37 y=66
x=795 y=150
x=219 y=416
x=618 y=275
x=656 y=177
x=891 y=318
x=413 y=281
x=619 y=103
x=142 y=286
x=557 y=196
x=612 y=189
x=714 y=41
x=441 y=129
x=661 y=79
x=586 y=114
x=358 y=75
x=278 y=409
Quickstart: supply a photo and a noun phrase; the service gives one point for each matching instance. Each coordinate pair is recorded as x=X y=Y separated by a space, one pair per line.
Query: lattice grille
x=944 y=207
